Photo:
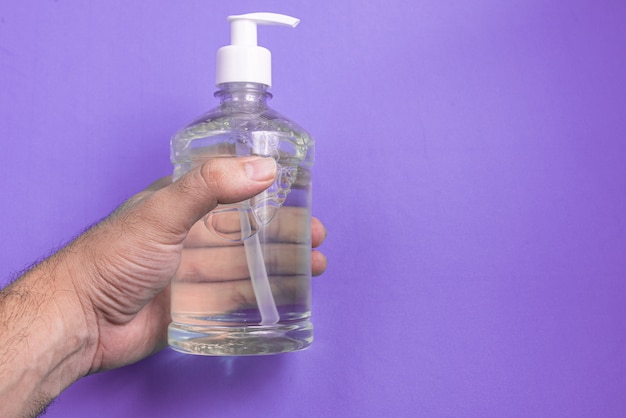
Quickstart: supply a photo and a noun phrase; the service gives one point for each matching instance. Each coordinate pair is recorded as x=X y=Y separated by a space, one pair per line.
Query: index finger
x=286 y=227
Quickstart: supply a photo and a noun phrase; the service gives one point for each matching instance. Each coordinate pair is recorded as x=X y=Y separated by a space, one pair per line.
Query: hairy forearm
x=44 y=343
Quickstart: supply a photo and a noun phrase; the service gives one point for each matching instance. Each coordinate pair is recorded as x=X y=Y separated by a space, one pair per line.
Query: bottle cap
x=243 y=60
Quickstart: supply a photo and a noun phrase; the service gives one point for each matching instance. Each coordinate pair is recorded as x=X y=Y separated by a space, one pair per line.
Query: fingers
x=318 y=232
x=175 y=208
x=286 y=227
x=230 y=263
x=212 y=258
x=214 y=299
x=318 y=263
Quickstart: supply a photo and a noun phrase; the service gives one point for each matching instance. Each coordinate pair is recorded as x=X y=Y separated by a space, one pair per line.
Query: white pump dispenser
x=243 y=61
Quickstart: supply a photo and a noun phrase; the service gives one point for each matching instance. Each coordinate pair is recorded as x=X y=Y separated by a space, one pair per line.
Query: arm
x=42 y=339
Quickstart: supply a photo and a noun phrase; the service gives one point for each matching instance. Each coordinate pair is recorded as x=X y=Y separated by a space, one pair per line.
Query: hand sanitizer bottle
x=243 y=285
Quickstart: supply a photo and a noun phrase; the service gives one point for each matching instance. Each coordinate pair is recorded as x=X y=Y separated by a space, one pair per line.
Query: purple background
x=470 y=169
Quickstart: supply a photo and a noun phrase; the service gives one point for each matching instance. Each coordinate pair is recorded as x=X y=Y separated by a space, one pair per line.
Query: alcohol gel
x=243 y=285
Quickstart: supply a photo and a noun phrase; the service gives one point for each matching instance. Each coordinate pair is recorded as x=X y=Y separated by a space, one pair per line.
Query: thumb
x=175 y=208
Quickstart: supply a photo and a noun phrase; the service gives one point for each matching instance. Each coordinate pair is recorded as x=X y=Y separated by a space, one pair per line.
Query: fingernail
x=261 y=169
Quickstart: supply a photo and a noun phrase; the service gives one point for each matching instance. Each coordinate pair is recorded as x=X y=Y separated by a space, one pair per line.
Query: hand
x=103 y=301
x=134 y=254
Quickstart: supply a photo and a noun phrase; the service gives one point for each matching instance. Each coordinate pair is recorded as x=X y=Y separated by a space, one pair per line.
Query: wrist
x=45 y=338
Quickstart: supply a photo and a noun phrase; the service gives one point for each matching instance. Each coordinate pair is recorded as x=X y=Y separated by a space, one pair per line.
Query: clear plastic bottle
x=243 y=285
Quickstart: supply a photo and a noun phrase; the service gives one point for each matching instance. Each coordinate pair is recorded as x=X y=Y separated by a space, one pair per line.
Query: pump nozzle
x=244 y=61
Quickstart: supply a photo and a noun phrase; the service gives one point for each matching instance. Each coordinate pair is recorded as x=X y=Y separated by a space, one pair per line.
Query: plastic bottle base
x=240 y=341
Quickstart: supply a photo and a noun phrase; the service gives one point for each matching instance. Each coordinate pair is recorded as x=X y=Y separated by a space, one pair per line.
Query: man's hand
x=103 y=301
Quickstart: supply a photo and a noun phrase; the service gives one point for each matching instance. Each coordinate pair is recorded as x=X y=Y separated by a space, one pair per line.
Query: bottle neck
x=243 y=94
